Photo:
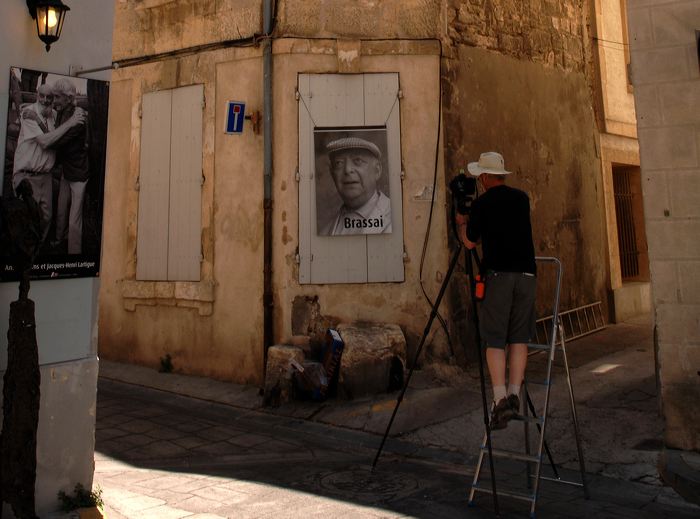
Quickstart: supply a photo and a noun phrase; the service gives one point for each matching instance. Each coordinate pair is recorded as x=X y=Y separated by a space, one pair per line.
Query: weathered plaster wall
x=401 y=19
x=401 y=303
x=666 y=76
x=540 y=119
x=515 y=81
x=144 y=27
x=214 y=327
x=222 y=336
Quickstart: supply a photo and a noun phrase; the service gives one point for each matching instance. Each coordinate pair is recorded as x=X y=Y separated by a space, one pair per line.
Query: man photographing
x=500 y=219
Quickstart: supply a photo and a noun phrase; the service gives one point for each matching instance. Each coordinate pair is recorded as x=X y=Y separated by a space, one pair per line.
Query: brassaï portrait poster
x=56 y=143
x=352 y=181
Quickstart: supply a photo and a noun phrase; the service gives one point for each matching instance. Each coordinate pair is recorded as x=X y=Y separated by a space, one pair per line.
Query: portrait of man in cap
x=354 y=165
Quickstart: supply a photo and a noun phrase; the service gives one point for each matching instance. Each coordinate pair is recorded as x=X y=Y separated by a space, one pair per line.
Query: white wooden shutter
x=185 y=214
x=385 y=251
x=333 y=100
x=154 y=187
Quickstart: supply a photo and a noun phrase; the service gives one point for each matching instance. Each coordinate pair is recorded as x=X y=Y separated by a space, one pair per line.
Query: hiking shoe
x=514 y=404
x=502 y=412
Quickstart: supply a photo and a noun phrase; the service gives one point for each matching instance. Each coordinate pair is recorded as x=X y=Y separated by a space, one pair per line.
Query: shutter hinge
x=140 y=110
x=297 y=95
x=403 y=174
x=204 y=101
x=297 y=259
x=137 y=185
x=406 y=259
x=399 y=94
x=297 y=176
x=201 y=258
x=201 y=182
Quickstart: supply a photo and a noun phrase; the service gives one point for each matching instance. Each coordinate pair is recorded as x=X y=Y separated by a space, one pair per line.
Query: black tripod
x=473 y=257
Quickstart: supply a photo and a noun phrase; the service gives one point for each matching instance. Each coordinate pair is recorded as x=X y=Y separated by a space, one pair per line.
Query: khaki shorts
x=507 y=314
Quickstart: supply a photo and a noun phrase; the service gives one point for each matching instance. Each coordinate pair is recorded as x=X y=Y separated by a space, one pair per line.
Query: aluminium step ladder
x=535 y=459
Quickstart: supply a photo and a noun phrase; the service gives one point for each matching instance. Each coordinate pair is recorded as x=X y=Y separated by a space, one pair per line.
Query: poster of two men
x=56 y=142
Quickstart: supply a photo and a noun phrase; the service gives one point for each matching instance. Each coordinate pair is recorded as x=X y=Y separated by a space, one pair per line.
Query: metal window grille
x=626 y=232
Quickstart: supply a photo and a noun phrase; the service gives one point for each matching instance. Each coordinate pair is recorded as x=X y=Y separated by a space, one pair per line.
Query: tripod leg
x=470 y=272
x=433 y=313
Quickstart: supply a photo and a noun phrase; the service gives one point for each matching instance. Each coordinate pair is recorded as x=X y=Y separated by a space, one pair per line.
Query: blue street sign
x=235 y=115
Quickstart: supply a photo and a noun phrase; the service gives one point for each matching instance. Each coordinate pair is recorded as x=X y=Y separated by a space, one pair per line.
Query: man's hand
x=462 y=220
x=78 y=117
x=30 y=114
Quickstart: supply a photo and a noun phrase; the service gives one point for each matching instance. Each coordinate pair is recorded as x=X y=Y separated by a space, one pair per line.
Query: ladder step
x=512 y=455
x=539 y=346
x=559 y=480
x=529 y=419
x=507 y=493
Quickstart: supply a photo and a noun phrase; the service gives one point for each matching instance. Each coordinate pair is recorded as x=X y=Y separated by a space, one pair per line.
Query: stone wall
x=666 y=77
x=515 y=81
x=547 y=32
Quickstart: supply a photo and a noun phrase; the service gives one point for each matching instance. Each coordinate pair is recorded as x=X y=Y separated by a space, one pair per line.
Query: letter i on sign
x=235 y=115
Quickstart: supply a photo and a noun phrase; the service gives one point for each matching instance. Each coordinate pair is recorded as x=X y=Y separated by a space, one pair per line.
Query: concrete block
x=673 y=239
x=689 y=282
x=656 y=198
x=682 y=426
x=675 y=23
x=667 y=148
x=640 y=27
x=678 y=324
x=655 y=66
x=373 y=360
x=664 y=275
x=278 y=375
x=684 y=190
x=647 y=106
x=676 y=101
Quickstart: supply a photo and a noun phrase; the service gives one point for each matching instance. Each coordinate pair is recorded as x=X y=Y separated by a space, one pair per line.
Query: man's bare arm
x=48 y=139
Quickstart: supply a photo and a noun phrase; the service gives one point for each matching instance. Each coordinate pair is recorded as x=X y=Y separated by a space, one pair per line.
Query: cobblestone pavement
x=161 y=455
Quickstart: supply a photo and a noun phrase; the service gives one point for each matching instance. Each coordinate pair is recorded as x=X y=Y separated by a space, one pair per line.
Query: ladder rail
x=550 y=362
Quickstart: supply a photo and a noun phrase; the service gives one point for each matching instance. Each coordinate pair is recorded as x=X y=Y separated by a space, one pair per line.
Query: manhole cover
x=359 y=482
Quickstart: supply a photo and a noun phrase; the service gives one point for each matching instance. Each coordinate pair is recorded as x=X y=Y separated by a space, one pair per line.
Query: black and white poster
x=56 y=142
x=352 y=181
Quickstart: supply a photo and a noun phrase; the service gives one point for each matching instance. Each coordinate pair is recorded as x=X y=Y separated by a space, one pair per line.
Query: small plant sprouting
x=166 y=364
x=81 y=498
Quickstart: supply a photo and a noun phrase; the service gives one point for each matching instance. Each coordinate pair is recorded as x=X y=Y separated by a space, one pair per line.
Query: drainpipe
x=267 y=179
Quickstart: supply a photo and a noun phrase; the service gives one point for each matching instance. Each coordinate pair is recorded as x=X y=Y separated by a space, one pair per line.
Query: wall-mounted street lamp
x=49 y=16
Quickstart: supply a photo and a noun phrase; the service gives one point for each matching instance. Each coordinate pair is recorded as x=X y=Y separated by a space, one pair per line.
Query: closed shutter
x=185 y=216
x=154 y=187
x=332 y=100
x=169 y=214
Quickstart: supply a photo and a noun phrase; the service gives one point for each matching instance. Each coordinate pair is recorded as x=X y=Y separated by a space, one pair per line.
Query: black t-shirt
x=500 y=218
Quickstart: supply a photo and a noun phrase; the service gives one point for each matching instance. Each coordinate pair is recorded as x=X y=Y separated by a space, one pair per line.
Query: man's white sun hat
x=489 y=162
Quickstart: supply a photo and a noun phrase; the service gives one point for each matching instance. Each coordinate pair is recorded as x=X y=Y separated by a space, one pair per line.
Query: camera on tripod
x=463 y=192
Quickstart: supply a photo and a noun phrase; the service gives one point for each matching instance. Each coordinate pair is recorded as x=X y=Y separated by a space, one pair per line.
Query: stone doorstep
x=370 y=358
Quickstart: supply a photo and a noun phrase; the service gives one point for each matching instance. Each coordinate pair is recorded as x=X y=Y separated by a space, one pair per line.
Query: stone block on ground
x=278 y=375
x=373 y=360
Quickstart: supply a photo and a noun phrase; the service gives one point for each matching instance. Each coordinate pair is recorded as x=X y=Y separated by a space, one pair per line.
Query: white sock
x=514 y=389
x=499 y=392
